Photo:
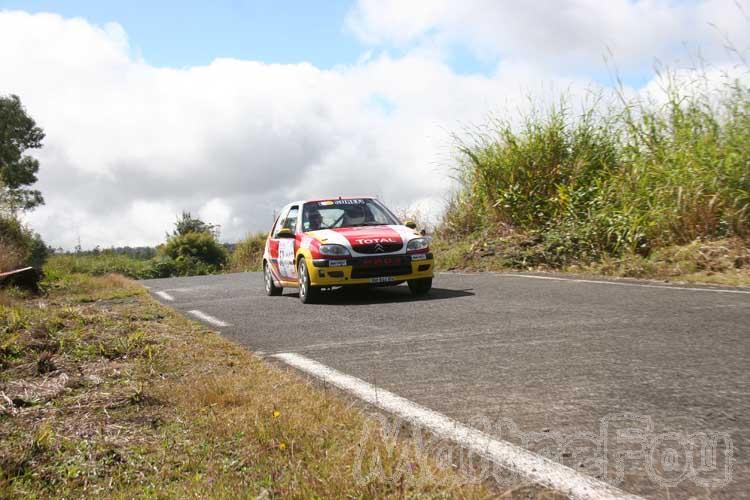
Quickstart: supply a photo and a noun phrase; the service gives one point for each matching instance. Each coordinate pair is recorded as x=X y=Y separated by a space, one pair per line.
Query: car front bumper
x=371 y=270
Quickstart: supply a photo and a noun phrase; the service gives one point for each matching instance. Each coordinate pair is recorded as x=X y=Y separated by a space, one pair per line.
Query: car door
x=273 y=242
x=287 y=246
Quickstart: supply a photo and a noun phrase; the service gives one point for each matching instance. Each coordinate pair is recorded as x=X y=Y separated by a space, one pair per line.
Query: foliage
x=186 y=223
x=195 y=253
x=20 y=246
x=140 y=253
x=623 y=180
x=18 y=133
x=100 y=264
x=248 y=254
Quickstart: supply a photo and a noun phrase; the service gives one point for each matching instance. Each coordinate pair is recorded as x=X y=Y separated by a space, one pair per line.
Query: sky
x=230 y=109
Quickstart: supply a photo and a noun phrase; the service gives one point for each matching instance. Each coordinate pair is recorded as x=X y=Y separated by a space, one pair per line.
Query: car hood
x=367 y=240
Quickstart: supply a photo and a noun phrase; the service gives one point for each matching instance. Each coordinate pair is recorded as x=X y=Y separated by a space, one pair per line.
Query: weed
x=45 y=363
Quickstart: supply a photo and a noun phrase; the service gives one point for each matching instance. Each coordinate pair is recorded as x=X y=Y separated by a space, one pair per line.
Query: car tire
x=420 y=287
x=271 y=288
x=308 y=294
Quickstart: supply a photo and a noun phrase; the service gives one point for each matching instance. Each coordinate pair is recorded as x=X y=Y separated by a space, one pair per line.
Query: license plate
x=381 y=279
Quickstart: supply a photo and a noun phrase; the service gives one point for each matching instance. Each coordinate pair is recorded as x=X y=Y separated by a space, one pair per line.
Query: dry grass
x=725 y=262
x=11 y=257
x=248 y=254
x=103 y=391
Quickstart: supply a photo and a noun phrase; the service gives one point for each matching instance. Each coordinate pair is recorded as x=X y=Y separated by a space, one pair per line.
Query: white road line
x=164 y=295
x=535 y=467
x=618 y=283
x=208 y=318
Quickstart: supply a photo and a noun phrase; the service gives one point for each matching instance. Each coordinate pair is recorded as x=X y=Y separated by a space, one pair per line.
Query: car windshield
x=328 y=214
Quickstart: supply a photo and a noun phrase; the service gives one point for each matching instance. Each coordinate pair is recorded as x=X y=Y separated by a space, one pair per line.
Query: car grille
x=374 y=272
x=378 y=248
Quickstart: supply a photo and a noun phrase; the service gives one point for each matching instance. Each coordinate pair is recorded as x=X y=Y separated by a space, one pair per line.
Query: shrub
x=195 y=253
x=11 y=257
x=20 y=246
x=161 y=267
x=248 y=254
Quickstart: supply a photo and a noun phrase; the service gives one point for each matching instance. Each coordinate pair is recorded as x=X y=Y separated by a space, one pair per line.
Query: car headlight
x=418 y=244
x=333 y=250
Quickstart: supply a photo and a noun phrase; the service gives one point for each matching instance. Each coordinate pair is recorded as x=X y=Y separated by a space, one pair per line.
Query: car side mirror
x=410 y=224
x=285 y=232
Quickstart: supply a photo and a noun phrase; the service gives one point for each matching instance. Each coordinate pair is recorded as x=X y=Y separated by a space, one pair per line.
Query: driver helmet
x=314 y=219
x=356 y=215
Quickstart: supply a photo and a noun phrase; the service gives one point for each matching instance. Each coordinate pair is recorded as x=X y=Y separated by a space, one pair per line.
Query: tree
x=187 y=224
x=18 y=133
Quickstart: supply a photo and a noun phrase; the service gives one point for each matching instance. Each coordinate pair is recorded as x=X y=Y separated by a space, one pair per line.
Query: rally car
x=333 y=242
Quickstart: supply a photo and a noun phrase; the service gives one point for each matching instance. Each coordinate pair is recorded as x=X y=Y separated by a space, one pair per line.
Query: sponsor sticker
x=336 y=263
x=342 y=202
x=286 y=258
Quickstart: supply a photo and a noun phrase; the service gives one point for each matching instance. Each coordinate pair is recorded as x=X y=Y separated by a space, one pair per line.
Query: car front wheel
x=308 y=294
x=420 y=287
x=271 y=288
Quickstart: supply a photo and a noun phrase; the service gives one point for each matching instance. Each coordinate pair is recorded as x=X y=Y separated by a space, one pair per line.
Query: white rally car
x=336 y=242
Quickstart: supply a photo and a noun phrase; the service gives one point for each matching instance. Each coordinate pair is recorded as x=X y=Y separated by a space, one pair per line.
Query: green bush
x=195 y=253
x=624 y=180
x=248 y=254
x=20 y=246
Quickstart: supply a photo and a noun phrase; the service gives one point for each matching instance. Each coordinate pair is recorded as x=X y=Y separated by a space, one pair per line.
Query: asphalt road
x=617 y=381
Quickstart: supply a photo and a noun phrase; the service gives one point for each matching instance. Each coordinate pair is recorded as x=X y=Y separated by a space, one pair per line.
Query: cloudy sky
x=231 y=108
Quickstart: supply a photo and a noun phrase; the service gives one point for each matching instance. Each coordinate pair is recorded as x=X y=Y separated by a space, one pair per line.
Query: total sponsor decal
x=370 y=235
x=361 y=236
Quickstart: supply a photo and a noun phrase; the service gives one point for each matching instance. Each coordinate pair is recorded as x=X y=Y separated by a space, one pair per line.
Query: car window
x=327 y=214
x=279 y=222
x=290 y=221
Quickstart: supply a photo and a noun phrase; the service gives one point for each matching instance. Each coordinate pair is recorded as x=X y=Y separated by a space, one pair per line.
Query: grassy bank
x=721 y=262
x=626 y=189
x=103 y=391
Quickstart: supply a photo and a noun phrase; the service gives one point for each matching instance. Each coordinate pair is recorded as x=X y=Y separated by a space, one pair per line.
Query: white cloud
x=565 y=34
x=129 y=146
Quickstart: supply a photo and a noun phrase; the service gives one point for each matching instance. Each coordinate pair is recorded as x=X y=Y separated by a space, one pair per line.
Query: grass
x=720 y=262
x=103 y=391
x=248 y=254
x=617 y=189
x=97 y=265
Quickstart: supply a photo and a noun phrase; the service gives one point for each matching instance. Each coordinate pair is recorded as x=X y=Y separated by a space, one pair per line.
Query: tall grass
x=248 y=254
x=630 y=178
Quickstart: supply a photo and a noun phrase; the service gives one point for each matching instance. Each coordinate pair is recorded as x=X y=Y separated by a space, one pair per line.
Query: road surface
x=644 y=385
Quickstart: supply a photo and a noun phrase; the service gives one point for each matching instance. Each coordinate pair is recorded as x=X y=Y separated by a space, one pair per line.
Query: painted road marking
x=535 y=467
x=599 y=282
x=164 y=295
x=208 y=318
